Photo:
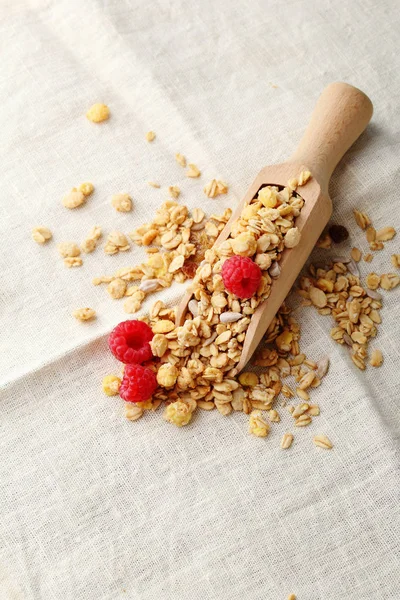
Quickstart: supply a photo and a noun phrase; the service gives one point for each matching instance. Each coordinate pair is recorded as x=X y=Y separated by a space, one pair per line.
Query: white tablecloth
x=93 y=506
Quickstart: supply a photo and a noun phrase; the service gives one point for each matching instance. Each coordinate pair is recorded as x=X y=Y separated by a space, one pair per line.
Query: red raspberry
x=129 y=342
x=138 y=384
x=241 y=276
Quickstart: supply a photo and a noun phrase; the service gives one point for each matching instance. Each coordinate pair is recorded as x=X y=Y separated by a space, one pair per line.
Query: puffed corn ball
x=178 y=413
x=98 y=113
x=257 y=425
x=111 y=385
x=167 y=375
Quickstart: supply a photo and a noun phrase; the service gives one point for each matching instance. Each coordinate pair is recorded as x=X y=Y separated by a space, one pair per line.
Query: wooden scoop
x=340 y=116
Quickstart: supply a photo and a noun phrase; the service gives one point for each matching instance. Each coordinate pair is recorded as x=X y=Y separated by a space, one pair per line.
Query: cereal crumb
x=68 y=249
x=293 y=183
x=193 y=171
x=373 y=281
x=395 y=260
x=111 y=385
x=178 y=413
x=117 y=288
x=41 y=235
x=84 y=314
x=257 y=425
x=122 y=202
x=74 y=199
x=86 y=188
x=385 y=234
x=150 y=136
x=133 y=411
x=215 y=188
x=322 y=442
x=389 y=281
x=98 y=113
x=153 y=184
x=73 y=261
x=291 y=597
x=368 y=257
x=304 y=177
x=116 y=242
x=286 y=441
x=376 y=358
x=174 y=191
x=356 y=254
x=90 y=243
x=180 y=159
x=362 y=219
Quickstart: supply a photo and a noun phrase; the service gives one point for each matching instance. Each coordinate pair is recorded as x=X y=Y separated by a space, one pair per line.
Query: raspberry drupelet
x=130 y=341
x=241 y=276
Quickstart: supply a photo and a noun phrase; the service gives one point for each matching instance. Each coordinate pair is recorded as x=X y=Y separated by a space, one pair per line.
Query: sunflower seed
x=230 y=317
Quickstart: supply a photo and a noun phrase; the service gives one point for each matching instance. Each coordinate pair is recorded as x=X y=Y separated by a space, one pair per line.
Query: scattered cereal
x=373 y=281
x=122 y=202
x=368 y=257
x=304 y=177
x=111 y=385
x=385 y=234
x=174 y=191
x=180 y=159
x=73 y=261
x=98 y=113
x=68 y=249
x=376 y=358
x=362 y=219
x=89 y=245
x=389 y=281
x=193 y=171
x=116 y=242
x=322 y=442
x=286 y=441
x=150 y=136
x=257 y=425
x=133 y=410
x=154 y=184
x=84 y=314
x=86 y=188
x=356 y=254
x=215 y=188
x=178 y=413
x=74 y=199
x=41 y=235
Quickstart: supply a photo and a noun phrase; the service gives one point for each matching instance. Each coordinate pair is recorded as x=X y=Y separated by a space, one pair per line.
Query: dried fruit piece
x=41 y=235
x=98 y=113
x=322 y=442
x=338 y=233
x=84 y=314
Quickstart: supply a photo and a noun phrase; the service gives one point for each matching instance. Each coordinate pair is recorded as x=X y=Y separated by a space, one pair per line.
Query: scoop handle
x=340 y=116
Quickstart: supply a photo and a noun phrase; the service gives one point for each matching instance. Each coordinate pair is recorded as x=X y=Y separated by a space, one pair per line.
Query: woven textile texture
x=92 y=506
